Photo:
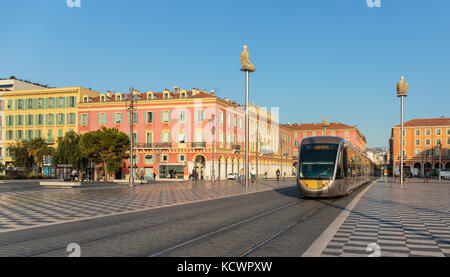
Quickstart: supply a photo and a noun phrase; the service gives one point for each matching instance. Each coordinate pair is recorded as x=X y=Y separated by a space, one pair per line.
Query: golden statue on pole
x=245 y=61
x=402 y=87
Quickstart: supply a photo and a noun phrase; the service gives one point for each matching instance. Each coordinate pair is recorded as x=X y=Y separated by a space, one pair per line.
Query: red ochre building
x=426 y=146
x=172 y=130
x=305 y=130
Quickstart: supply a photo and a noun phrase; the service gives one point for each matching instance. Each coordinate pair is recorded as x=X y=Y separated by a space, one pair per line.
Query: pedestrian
x=253 y=175
x=241 y=175
x=265 y=175
x=123 y=176
x=277 y=173
x=174 y=172
x=73 y=175
x=141 y=176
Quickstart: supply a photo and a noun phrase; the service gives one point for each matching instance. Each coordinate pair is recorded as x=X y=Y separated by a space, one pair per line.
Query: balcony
x=236 y=147
x=161 y=145
x=198 y=144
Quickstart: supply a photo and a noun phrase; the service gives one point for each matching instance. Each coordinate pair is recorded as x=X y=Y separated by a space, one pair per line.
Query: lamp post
x=213 y=131
x=402 y=92
x=247 y=67
x=131 y=108
x=440 y=156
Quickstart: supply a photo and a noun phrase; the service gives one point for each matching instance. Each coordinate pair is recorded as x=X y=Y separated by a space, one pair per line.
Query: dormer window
x=149 y=96
x=183 y=95
x=166 y=95
x=85 y=99
x=118 y=98
x=102 y=98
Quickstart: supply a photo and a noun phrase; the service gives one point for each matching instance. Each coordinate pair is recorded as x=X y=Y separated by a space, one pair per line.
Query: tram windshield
x=317 y=160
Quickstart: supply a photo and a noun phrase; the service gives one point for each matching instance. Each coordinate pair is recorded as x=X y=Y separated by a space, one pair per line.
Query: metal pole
x=281 y=158
x=401 y=146
x=246 y=128
x=132 y=139
x=257 y=144
x=213 y=129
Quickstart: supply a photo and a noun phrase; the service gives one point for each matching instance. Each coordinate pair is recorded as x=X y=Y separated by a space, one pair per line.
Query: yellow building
x=41 y=113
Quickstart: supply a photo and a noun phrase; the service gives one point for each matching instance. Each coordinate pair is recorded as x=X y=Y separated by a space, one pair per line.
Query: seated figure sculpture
x=245 y=61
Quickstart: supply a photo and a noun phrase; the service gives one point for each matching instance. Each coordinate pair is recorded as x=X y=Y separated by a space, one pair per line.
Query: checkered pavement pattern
x=413 y=220
x=19 y=209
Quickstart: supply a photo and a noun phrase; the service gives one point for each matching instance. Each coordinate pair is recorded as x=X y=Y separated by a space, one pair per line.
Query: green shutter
x=98 y=118
x=162 y=118
x=145 y=117
x=15 y=105
x=46 y=119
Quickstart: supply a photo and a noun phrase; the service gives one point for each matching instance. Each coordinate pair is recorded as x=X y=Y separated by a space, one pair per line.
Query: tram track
x=120 y=234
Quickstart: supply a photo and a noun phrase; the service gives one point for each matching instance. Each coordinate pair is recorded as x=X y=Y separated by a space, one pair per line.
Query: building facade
x=426 y=146
x=7 y=85
x=41 y=113
x=177 y=131
x=305 y=130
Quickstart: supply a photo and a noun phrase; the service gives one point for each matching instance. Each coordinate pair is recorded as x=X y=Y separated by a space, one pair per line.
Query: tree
x=68 y=151
x=106 y=147
x=26 y=154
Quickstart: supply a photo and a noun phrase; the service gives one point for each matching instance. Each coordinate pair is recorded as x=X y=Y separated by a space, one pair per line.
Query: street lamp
x=131 y=108
x=213 y=131
x=402 y=92
x=247 y=67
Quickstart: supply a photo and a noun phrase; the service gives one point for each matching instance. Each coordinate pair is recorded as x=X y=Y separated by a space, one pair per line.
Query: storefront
x=171 y=171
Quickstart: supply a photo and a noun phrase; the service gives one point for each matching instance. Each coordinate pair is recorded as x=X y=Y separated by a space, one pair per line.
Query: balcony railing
x=198 y=144
x=161 y=145
x=236 y=147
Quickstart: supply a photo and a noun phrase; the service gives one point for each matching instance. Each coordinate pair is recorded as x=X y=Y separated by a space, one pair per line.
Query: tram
x=330 y=167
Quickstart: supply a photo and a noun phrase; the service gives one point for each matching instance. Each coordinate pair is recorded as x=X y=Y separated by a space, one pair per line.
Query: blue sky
x=337 y=58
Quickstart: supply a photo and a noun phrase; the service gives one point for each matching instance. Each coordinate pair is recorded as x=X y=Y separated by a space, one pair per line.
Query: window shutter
x=98 y=119
x=162 y=117
x=15 y=105
x=145 y=117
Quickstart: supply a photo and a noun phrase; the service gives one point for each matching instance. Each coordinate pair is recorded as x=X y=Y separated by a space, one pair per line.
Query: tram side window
x=340 y=167
x=345 y=163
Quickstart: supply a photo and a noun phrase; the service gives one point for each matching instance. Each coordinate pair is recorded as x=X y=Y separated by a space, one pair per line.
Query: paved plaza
x=34 y=206
x=413 y=220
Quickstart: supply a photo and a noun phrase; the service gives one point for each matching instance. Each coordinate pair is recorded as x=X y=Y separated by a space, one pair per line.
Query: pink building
x=173 y=133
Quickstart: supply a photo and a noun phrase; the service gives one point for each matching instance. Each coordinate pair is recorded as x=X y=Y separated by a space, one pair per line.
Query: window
x=117 y=119
x=51 y=102
x=165 y=137
x=51 y=119
x=30 y=104
x=149 y=138
x=149 y=159
x=9 y=135
x=72 y=101
x=72 y=118
x=117 y=97
x=39 y=119
x=29 y=135
x=165 y=117
x=428 y=141
x=181 y=158
x=85 y=99
x=40 y=103
x=181 y=116
x=30 y=120
x=20 y=120
x=438 y=141
x=448 y=141
x=417 y=152
x=200 y=116
x=448 y=132
x=135 y=118
x=221 y=116
x=417 y=132
x=102 y=98
x=417 y=141
x=60 y=133
x=84 y=119
x=19 y=134
x=60 y=119
x=428 y=132
x=148 y=117
x=164 y=158
x=39 y=133
x=102 y=119
x=346 y=134
x=49 y=135
x=61 y=102
x=20 y=104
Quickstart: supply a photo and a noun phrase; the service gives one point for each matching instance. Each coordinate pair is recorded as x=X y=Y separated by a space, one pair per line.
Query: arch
x=447 y=165
x=436 y=165
x=200 y=165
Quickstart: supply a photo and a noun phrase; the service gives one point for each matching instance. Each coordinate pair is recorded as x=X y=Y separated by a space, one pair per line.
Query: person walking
x=241 y=176
x=253 y=175
x=278 y=175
